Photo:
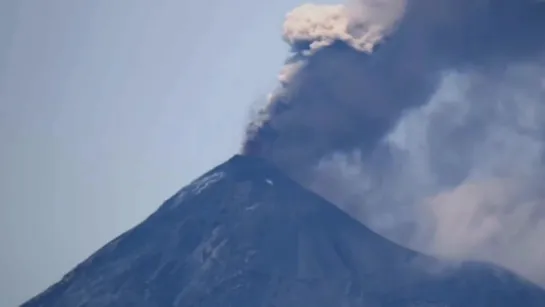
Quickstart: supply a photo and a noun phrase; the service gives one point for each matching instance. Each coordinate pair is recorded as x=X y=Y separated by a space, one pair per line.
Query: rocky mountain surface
x=244 y=234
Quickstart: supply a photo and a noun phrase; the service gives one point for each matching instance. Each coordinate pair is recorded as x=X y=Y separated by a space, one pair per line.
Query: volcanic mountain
x=244 y=234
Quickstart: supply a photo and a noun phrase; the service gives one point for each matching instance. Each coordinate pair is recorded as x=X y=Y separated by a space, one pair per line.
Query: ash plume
x=422 y=118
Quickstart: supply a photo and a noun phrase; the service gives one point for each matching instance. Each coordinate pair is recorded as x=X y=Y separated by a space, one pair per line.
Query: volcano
x=245 y=234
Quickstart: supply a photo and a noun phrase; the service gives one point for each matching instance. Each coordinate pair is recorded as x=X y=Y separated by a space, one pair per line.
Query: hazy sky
x=107 y=108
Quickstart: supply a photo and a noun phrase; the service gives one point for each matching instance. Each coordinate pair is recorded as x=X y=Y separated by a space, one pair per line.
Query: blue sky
x=109 y=107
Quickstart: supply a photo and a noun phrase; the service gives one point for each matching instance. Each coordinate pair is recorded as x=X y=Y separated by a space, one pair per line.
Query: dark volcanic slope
x=245 y=235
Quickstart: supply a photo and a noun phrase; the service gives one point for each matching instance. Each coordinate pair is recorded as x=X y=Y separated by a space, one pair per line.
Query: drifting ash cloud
x=360 y=25
x=422 y=118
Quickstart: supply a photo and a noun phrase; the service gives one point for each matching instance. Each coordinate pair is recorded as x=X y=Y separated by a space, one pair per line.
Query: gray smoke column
x=333 y=94
x=423 y=118
x=357 y=68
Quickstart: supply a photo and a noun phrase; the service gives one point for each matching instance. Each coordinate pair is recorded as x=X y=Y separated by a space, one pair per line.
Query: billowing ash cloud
x=332 y=91
x=361 y=25
x=422 y=118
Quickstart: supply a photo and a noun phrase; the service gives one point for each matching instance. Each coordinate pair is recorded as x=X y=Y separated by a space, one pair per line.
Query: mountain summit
x=244 y=234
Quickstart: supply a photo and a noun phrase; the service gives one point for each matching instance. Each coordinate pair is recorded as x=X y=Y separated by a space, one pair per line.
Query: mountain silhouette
x=245 y=235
